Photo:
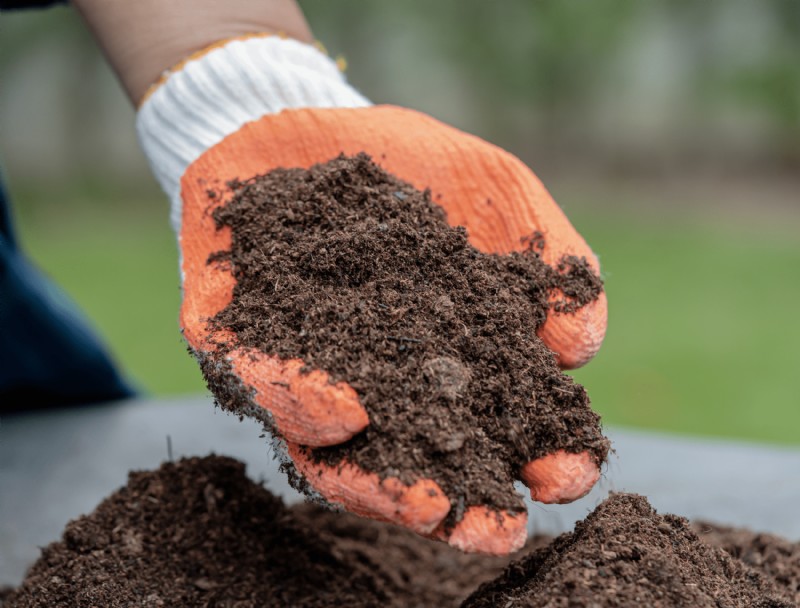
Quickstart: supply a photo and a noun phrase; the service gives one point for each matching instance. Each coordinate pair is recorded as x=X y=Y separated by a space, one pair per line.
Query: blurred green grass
x=119 y=262
x=703 y=327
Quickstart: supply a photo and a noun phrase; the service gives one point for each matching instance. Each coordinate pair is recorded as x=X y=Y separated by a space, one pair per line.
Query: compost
x=625 y=554
x=199 y=533
x=357 y=273
x=767 y=553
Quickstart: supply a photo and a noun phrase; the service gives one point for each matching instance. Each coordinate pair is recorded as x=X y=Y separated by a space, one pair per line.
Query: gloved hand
x=250 y=105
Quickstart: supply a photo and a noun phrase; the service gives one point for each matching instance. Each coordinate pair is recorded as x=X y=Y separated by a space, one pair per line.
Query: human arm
x=243 y=107
x=143 y=39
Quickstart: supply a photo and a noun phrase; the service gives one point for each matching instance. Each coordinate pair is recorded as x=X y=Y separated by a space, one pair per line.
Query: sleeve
x=12 y=4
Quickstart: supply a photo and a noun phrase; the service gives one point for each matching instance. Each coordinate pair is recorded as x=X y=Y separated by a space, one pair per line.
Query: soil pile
x=625 y=554
x=422 y=572
x=772 y=555
x=200 y=533
x=357 y=273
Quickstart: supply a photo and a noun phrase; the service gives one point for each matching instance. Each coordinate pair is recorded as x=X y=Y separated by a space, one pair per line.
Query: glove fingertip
x=420 y=506
x=576 y=337
x=484 y=530
x=560 y=477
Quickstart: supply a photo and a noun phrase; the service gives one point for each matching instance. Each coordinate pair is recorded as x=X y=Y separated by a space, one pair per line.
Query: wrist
x=145 y=38
x=215 y=94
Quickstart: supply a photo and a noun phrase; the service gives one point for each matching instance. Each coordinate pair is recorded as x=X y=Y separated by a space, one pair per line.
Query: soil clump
x=199 y=533
x=358 y=273
x=625 y=554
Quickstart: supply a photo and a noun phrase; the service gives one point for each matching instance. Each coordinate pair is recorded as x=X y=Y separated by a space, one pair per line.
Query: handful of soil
x=358 y=274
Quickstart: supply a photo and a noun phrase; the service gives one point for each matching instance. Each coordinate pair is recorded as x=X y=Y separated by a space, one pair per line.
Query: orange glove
x=480 y=186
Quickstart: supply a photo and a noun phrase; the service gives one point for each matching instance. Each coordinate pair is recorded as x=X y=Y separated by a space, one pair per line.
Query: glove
x=247 y=106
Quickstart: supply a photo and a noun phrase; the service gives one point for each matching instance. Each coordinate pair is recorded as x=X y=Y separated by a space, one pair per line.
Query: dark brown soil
x=423 y=572
x=359 y=274
x=625 y=554
x=200 y=533
x=767 y=553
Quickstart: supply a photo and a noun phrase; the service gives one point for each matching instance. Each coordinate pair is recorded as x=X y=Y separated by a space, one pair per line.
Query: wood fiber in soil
x=200 y=533
x=357 y=273
x=626 y=555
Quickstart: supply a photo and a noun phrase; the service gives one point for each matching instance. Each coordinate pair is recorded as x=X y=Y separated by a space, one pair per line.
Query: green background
x=703 y=324
x=668 y=130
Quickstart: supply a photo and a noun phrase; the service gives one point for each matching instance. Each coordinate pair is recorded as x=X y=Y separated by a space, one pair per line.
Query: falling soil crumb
x=357 y=273
x=200 y=533
x=626 y=555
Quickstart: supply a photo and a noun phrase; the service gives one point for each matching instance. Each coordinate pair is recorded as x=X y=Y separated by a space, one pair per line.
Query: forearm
x=143 y=38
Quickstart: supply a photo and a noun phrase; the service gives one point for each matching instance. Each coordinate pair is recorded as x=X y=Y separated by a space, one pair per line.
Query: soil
x=767 y=553
x=422 y=572
x=358 y=273
x=200 y=533
x=625 y=554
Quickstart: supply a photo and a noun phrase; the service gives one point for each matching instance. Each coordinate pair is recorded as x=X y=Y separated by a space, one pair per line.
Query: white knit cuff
x=216 y=94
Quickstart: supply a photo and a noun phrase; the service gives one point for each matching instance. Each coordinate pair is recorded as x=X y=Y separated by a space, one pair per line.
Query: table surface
x=57 y=465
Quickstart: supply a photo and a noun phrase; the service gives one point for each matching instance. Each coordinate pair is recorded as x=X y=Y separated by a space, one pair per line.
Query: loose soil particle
x=626 y=555
x=357 y=273
x=200 y=533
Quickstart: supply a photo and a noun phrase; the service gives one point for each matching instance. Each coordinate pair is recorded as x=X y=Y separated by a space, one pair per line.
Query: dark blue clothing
x=29 y=3
x=49 y=356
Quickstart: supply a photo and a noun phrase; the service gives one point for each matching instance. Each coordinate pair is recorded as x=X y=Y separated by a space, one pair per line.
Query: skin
x=144 y=38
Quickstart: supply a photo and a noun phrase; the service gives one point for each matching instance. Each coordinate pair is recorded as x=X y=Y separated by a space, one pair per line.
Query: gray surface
x=56 y=466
